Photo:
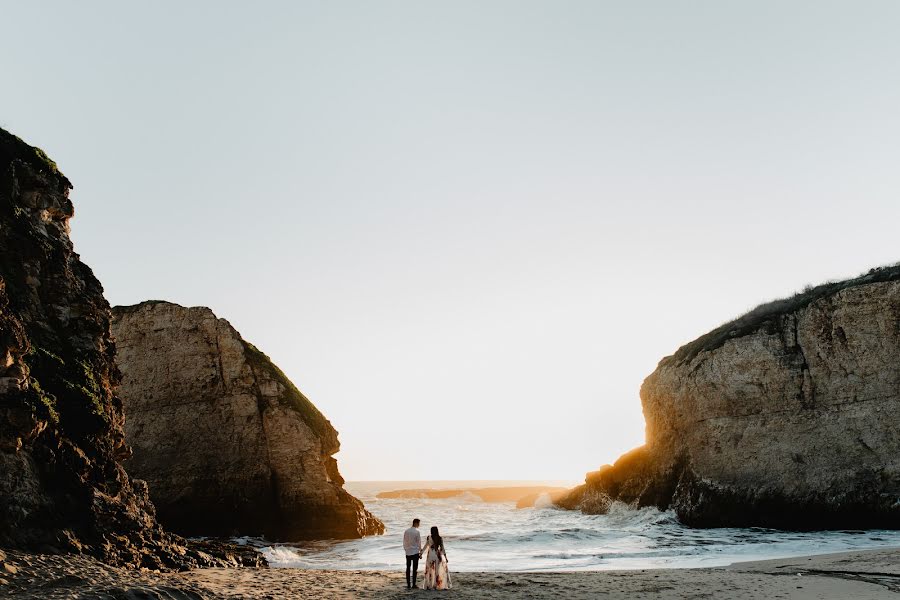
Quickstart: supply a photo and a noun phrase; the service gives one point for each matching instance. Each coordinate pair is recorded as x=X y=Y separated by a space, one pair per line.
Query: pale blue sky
x=490 y=219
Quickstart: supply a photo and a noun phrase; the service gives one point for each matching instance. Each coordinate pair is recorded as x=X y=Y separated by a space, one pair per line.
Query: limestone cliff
x=62 y=487
x=227 y=443
x=788 y=417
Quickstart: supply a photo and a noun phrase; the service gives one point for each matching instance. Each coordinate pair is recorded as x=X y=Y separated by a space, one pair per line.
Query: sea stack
x=788 y=417
x=62 y=487
x=227 y=443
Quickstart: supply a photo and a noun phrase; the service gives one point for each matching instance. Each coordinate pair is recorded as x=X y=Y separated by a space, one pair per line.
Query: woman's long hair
x=437 y=542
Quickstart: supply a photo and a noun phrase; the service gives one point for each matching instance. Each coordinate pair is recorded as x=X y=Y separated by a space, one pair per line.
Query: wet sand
x=859 y=575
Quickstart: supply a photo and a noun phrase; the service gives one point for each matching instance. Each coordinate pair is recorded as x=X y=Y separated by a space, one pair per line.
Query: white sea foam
x=543 y=501
x=466 y=497
x=282 y=556
x=499 y=537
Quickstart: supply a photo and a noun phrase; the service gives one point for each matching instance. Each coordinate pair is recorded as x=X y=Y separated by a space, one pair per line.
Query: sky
x=467 y=230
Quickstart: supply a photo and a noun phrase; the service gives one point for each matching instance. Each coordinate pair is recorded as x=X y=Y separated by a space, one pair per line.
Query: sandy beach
x=860 y=575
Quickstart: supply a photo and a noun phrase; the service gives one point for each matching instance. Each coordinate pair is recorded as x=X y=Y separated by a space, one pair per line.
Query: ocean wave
x=281 y=555
x=484 y=536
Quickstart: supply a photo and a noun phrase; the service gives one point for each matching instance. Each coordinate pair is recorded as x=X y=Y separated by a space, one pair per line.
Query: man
x=412 y=546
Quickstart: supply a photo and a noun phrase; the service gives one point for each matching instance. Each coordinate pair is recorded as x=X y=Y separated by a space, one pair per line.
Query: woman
x=437 y=575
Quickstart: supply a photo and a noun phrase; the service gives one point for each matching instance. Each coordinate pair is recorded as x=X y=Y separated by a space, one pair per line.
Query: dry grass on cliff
x=769 y=312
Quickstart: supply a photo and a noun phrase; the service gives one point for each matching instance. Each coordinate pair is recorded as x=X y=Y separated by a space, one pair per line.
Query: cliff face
x=62 y=487
x=788 y=417
x=227 y=443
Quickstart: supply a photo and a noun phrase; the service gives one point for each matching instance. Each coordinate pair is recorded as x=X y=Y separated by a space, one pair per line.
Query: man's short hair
x=416 y=522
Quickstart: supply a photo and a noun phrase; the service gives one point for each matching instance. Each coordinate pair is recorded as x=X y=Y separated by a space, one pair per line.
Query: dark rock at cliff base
x=62 y=487
x=227 y=443
x=788 y=417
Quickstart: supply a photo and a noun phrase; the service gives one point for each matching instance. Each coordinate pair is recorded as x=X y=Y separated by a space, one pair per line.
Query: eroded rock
x=62 y=487
x=788 y=417
x=227 y=443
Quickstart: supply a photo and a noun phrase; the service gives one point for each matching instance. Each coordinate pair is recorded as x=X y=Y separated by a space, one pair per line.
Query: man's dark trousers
x=412 y=559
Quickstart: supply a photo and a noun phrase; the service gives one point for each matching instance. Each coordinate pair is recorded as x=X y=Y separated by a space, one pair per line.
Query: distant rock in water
x=523 y=496
x=227 y=443
x=788 y=417
x=62 y=487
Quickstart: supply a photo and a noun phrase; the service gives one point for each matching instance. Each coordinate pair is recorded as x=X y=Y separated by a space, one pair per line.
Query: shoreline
x=858 y=574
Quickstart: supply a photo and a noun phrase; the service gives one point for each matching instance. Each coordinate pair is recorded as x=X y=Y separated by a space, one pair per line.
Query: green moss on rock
x=292 y=397
x=83 y=410
x=12 y=147
x=45 y=403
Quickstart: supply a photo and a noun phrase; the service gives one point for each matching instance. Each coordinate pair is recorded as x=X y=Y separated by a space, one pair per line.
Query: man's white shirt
x=412 y=541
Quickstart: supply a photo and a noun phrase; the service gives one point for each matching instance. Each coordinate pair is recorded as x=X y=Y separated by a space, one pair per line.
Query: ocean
x=483 y=536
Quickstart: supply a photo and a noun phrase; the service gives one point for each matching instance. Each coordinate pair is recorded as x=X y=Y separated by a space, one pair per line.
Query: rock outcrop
x=62 y=487
x=227 y=443
x=788 y=417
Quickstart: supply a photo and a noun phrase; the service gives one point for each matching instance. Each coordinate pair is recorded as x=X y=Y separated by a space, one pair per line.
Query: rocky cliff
x=62 y=487
x=227 y=443
x=787 y=417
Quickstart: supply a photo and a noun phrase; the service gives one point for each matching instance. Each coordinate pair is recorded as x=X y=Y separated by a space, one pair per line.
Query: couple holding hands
x=437 y=574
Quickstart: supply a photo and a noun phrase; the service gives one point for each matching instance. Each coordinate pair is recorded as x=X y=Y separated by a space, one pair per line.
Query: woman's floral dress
x=437 y=574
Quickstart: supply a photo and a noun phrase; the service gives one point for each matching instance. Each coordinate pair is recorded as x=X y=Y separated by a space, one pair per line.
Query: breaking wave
x=484 y=536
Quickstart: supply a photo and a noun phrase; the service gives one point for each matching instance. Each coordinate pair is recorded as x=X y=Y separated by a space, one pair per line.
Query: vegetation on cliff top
x=260 y=361
x=293 y=397
x=769 y=312
x=13 y=147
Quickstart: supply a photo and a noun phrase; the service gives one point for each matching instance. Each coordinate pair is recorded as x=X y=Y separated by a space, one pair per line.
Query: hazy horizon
x=467 y=231
x=510 y=482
